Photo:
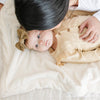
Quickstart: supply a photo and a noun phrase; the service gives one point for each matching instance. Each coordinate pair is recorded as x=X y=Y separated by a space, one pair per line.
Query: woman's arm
x=1 y=5
x=93 y=30
x=93 y=23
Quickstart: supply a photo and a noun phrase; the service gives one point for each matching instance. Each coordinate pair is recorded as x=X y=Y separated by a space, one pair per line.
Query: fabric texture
x=70 y=48
x=89 y=5
x=22 y=72
x=2 y=1
x=51 y=94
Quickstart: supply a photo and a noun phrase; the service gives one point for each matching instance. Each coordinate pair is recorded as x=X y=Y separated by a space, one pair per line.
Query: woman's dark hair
x=40 y=14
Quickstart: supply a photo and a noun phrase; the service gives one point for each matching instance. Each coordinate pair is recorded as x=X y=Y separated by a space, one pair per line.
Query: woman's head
x=40 y=14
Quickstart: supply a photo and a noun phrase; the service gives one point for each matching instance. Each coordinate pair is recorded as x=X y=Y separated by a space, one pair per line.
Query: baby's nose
x=41 y=42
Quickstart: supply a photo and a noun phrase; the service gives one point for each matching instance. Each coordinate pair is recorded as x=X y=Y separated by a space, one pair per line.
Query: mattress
x=50 y=94
x=23 y=72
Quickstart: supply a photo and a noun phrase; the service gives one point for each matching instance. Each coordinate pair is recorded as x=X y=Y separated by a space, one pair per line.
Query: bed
x=32 y=75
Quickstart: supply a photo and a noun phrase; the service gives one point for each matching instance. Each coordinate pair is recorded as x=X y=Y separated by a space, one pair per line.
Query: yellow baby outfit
x=70 y=48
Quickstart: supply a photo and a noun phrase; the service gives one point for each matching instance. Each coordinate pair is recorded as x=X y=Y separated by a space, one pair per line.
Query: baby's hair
x=23 y=36
x=40 y=14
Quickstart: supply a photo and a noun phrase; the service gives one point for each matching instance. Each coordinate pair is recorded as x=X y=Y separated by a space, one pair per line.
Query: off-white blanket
x=22 y=72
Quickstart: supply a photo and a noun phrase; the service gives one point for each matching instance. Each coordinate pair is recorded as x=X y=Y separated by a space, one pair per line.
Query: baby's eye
x=36 y=45
x=38 y=36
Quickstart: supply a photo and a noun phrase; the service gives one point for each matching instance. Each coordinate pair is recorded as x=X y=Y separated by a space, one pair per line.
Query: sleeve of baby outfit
x=2 y=1
x=90 y=5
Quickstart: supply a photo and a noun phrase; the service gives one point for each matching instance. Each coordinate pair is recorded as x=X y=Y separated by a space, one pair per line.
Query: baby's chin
x=43 y=50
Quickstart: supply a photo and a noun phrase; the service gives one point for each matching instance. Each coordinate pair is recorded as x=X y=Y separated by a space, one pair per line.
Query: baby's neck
x=54 y=41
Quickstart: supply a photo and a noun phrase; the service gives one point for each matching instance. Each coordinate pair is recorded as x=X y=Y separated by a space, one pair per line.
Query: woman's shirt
x=2 y=1
x=89 y=5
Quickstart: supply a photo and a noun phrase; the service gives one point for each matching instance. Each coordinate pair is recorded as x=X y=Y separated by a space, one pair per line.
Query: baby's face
x=39 y=40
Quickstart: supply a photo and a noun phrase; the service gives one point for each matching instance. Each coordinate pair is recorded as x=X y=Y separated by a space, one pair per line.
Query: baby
x=36 y=40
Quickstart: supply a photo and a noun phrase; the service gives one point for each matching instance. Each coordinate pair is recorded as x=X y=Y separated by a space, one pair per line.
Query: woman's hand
x=93 y=30
x=1 y=5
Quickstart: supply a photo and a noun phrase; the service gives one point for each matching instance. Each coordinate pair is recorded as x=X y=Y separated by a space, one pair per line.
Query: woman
x=46 y=15
x=43 y=15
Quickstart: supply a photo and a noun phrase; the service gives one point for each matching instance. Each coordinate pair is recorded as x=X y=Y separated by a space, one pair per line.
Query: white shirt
x=2 y=1
x=90 y=5
x=85 y=5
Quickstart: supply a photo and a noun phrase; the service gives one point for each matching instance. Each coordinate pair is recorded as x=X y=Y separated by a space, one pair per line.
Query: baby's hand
x=93 y=30
x=1 y=5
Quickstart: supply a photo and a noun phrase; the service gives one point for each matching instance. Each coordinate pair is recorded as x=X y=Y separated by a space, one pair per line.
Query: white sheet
x=50 y=94
x=25 y=71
